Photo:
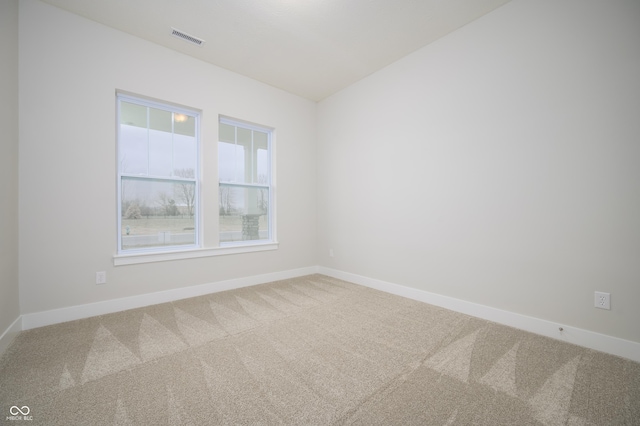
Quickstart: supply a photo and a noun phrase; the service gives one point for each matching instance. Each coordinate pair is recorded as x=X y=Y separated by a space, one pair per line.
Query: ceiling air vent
x=186 y=37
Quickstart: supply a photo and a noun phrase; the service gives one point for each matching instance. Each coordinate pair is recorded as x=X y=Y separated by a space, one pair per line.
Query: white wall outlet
x=101 y=277
x=330 y=252
x=602 y=300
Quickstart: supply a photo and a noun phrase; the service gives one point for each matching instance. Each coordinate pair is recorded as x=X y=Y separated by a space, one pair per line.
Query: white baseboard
x=9 y=334
x=55 y=316
x=589 y=339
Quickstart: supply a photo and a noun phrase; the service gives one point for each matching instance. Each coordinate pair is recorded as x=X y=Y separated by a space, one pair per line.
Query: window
x=158 y=151
x=245 y=187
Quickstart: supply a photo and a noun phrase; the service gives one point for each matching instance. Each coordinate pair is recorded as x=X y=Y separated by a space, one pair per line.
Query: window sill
x=135 y=258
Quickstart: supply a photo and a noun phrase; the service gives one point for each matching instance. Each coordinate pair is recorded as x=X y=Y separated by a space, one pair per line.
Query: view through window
x=157 y=175
x=245 y=191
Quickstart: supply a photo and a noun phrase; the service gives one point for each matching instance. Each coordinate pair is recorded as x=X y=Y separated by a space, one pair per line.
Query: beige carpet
x=308 y=351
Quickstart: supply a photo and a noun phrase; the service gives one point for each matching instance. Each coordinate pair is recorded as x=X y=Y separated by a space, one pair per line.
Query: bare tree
x=124 y=196
x=168 y=205
x=145 y=210
x=133 y=211
x=225 y=201
x=124 y=186
x=186 y=191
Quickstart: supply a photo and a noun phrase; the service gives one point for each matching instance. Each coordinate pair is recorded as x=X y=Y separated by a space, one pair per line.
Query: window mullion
x=235 y=154
x=173 y=135
x=148 y=141
x=252 y=159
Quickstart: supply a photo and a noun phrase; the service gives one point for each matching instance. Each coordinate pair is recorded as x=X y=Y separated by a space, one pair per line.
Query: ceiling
x=312 y=48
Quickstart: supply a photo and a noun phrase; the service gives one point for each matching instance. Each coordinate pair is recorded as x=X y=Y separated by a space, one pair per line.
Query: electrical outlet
x=602 y=300
x=101 y=277
x=330 y=252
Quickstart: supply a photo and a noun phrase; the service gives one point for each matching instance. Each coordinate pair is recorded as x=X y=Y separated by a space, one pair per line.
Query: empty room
x=320 y=212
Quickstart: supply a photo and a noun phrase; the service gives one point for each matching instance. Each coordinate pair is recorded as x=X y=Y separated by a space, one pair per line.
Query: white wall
x=498 y=165
x=9 y=293
x=70 y=68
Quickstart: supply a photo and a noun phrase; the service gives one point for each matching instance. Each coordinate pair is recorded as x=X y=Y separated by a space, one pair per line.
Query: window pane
x=133 y=152
x=238 y=164
x=243 y=155
x=244 y=213
x=260 y=140
x=185 y=155
x=227 y=133
x=248 y=162
x=231 y=162
x=260 y=157
x=184 y=125
x=262 y=167
x=244 y=136
x=133 y=115
x=160 y=119
x=160 y=153
x=226 y=167
x=157 y=213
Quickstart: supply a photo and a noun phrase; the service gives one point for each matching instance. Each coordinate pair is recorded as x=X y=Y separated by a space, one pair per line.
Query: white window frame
x=138 y=100
x=270 y=184
x=200 y=249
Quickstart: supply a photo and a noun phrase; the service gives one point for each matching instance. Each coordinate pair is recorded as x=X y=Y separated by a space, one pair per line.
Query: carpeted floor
x=308 y=351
